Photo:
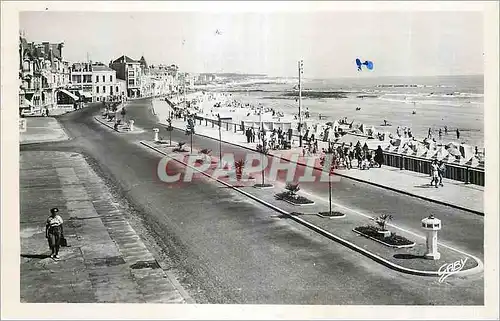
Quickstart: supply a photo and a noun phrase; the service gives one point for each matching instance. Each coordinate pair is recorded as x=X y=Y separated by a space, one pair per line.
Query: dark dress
x=379 y=156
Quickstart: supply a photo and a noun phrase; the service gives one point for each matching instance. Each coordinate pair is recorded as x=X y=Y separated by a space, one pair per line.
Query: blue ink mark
x=368 y=64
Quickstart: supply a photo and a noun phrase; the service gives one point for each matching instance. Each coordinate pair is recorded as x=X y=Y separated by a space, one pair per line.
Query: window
x=110 y=78
x=103 y=78
x=96 y=78
x=117 y=89
x=131 y=82
x=104 y=89
x=97 y=89
x=111 y=90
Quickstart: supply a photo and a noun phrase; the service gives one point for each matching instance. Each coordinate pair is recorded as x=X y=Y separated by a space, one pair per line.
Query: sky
x=398 y=43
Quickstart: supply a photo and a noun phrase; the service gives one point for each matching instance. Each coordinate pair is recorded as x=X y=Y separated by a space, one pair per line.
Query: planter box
x=298 y=204
x=382 y=242
x=264 y=187
x=326 y=216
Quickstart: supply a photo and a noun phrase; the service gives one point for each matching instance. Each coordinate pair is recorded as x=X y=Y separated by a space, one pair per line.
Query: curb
x=103 y=123
x=327 y=234
x=356 y=179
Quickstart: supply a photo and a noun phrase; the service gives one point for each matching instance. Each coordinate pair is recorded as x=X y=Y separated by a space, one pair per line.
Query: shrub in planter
x=382 y=223
x=292 y=189
x=374 y=232
x=290 y=195
x=239 y=165
x=180 y=147
x=206 y=155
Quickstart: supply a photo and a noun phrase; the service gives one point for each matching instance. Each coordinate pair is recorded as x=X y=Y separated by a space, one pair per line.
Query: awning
x=28 y=103
x=75 y=97
x=85 y=94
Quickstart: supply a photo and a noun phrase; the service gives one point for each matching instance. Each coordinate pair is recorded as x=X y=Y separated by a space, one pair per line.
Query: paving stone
x=103 y=246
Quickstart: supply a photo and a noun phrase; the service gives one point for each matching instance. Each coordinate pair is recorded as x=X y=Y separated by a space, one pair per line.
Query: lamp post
x=262 y=141
x=301 y=71
x=220 y=139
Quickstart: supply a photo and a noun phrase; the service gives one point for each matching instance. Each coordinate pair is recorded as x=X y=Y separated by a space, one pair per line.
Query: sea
x=419 y=103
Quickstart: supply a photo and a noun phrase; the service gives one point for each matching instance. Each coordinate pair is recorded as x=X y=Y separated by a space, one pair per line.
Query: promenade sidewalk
x=41 y=130
x=456 y=194
x=408 y=260
x=106 y=261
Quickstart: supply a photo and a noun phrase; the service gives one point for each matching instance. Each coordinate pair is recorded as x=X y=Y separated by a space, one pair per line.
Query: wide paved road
x=232 y=250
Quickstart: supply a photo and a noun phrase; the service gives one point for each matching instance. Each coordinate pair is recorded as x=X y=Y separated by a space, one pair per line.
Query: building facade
x=81 y=80
x=44 y=76
x=106 y=87
x=95 y=82
x=129 y=70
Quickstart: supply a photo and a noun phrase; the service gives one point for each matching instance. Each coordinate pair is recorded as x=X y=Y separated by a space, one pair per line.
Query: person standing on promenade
x=446 y=130
x=458 y=134
x=54 y=232
x=379 y=156
x=440 y=133
x=429 y=133
x=435 y=172
x=442 y=170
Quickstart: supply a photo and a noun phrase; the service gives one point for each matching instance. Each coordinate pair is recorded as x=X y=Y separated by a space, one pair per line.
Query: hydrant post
x=156 y=131
x=431 y=225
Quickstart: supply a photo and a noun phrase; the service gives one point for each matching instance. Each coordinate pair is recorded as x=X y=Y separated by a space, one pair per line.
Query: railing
x=466 y=174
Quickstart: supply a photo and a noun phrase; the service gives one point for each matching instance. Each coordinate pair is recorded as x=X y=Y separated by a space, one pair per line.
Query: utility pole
x=220 y=140
x=330 y=190
x=301 y=71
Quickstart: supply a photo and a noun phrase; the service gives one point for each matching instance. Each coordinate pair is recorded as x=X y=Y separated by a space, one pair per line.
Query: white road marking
x=392 y=225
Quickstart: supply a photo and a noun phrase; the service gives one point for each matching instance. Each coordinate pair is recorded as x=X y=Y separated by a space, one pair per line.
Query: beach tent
x=348 y=139
x=473 y=162
x=422 y=149
x=466 y=151
x=362 y=128
x=451 y=159
x=429 y=154
x=441 y=153
x=454 y=151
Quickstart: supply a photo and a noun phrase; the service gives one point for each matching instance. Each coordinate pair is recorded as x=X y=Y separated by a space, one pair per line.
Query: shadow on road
x=424 y=186
x=407 y=256
x=35 y=256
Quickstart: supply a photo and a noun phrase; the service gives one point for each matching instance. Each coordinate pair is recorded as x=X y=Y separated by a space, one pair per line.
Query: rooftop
x=125 y=59
x=101 y=68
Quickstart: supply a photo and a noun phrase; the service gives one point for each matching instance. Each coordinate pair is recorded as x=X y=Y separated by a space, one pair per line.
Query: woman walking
x=54 y=232
x=379 y=156
x=435 y=173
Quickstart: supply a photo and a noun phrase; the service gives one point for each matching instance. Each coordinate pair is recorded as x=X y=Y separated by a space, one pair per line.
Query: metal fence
x=466 y=174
